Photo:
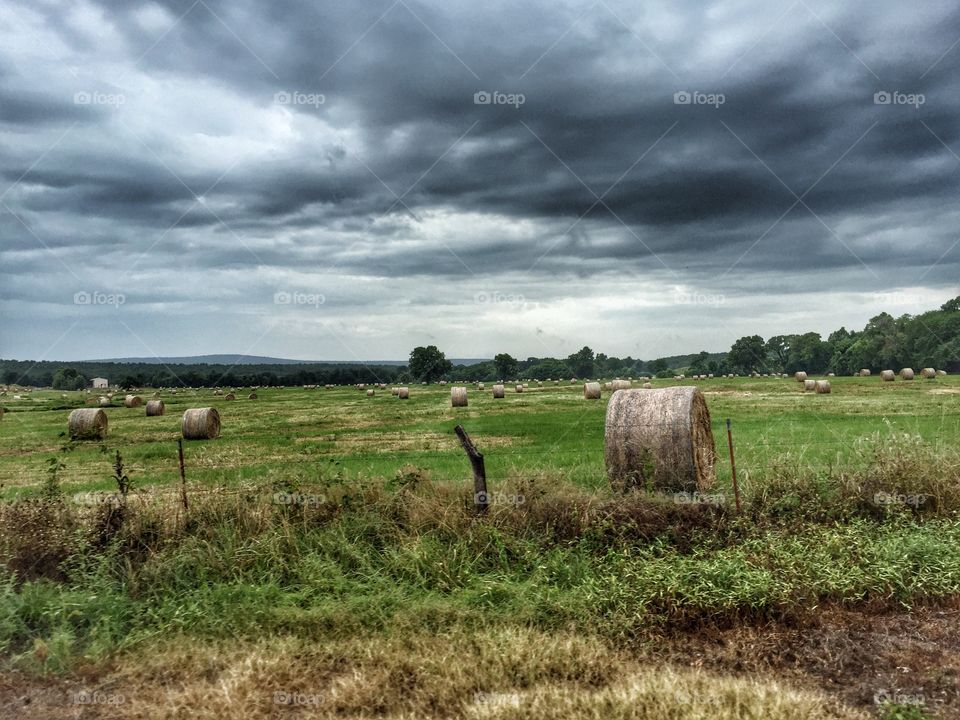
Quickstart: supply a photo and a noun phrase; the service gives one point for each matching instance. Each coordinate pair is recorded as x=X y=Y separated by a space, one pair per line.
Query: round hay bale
x=865 y=372
x=371 y=392
x=800 y=376
x=497 y=392
x=458 y=396
x=87 y=424
x=619 y=385
x=217 y=392
x=132 y=401
x=200 y=424
x=659 y=438
x=403 y=393
x=888 y=375
x=480 y=386
x=928 y=374
x=831 y=374
x=591 y=391
x=608 y=386
x=647 y=386
x=907 y=373
x=822 y=387
x=252 y=396
x=394 y=391
x=155 y=408
x=809 y=385
x=229 y=396
x=941 y=373
x=104 y=402
x=519 y=388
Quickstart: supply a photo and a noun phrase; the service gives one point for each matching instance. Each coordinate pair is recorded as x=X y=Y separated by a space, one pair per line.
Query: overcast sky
x=331 y=180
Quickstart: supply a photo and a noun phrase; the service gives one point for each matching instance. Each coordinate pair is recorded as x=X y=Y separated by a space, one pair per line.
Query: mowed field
x=305 y=435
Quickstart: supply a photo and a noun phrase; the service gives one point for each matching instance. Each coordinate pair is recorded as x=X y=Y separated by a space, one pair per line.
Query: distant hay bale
x=229 y=396
x=591 y=391
x=619 y=385
x=608 y=386
x=823 y=387
x=394 y=391
x=907 y=373
x=831 y=374
x=104 y=402
x=458 y=396
x=252 y=396
x=497 y=392
x=155 y=408
x=941 y=373
x=200 y=424
x=928 y=373
x=371 y=392
x=800 y=376
x=647 y=386
x=480 y=386
x=809 y=385
x=217 y=392
x=865 y=372
x=87 y=424
x=403 y=393
x=519 y=388
x=888 y=375
x=660 y=439
x=132 y=401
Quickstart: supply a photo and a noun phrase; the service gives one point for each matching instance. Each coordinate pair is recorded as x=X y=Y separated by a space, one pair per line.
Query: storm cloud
x=348 y=180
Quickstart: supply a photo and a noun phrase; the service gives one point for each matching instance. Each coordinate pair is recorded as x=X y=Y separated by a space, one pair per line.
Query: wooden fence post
x=481 y=501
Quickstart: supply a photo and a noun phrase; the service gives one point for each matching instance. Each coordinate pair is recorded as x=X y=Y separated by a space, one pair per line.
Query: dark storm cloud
x=181 y=153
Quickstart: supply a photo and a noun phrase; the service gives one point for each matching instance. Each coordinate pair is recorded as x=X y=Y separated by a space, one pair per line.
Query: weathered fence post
x=481 y=500
x=183 y=477
x=733 y=467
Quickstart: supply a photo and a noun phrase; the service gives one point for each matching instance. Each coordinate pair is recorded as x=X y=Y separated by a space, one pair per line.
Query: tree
x=428 y=363
x=581 y=362
x=778 y=349
x=506 y=365
x=748 y=353
x=68 y=379
x=659 y=365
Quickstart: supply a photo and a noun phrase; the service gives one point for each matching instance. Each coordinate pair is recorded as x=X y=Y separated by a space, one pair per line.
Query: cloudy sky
x=330 y=180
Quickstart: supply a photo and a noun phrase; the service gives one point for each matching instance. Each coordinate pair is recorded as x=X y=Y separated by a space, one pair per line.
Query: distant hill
x=257 y=360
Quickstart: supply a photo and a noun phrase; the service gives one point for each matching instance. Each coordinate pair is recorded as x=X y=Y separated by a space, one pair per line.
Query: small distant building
x=100 y=383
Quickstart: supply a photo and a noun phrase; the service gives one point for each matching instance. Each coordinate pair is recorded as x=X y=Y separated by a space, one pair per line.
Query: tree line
x=931 y=339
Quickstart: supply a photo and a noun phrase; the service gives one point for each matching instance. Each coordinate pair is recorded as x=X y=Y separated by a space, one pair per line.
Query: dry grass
x=508 y=673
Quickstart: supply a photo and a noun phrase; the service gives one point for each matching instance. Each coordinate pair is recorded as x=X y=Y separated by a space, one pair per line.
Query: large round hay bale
x=865 y=372
x=458 y=396
x=403 y=393
x=647 y=386
x=87 y=424
x=591 y=390
x=394 y=391
x=497 y=391
x=619 y=385
x=252 y=396
x=822 y=387
x=660 y=439
x=941 y=373
x=155 y=408
x=906 y=373
x=371 y=392
x=519 y=388
x=480 y=386
x=928 y=374
x=888 y=375
x=104 y=402
x=229 y=396
x=200 y=424
x=809 y=385
x=132 y=401
x=800 y=376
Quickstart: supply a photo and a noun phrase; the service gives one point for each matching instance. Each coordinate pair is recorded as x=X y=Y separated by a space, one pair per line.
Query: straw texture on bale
x=928 y=373
x=200 y=424
x=591 y=390
x=620 y=385
x=888 y=375
x=800 y=376
x=809 y=385
x=497 y=391
x=823 y=387
x=155 y=408
x=403 y=393
x=907 y=373
x=132 y=401
x=87 y=424
x=659 y=439
x=458 y=396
